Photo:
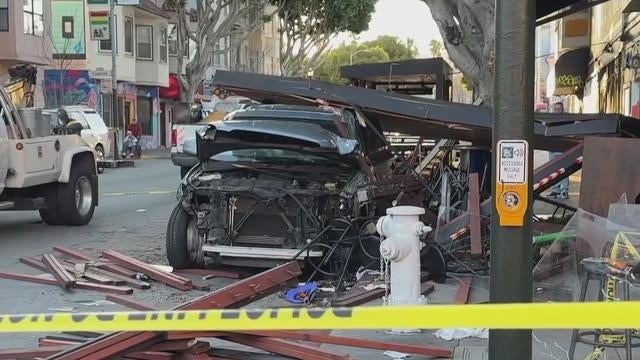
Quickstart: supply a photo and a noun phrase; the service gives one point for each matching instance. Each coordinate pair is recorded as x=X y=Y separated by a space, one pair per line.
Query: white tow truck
x=54 y=174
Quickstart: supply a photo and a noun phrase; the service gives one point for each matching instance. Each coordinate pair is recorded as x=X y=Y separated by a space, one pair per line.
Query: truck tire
x=75 y=198
x=51 y=215
x=184 y=248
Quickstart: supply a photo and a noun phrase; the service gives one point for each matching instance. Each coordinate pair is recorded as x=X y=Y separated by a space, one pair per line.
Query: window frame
x=163 y=44
x=70 y=34
x=138 y=57
x=100 y=42
x=6 y=9
x=130 y=20
x=32 y=13
x=177 y=39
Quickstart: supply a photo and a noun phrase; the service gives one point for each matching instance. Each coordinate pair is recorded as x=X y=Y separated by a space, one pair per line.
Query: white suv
x=94 y=131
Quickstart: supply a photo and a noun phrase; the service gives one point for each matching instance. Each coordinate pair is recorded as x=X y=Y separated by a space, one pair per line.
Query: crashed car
x=276 y=183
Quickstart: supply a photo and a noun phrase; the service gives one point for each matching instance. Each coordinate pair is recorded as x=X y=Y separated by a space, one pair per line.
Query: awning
x=173 y=90
x=571 y=71
x=634 y=6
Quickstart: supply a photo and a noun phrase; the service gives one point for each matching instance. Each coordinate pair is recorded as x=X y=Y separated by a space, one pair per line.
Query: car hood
x=223 y=136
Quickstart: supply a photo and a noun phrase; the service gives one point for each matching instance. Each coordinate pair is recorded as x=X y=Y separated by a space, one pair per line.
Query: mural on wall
x=70 y=87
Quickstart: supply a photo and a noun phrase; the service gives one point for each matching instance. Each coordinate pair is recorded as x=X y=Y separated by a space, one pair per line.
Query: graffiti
x=570 y=80
x=70 y=87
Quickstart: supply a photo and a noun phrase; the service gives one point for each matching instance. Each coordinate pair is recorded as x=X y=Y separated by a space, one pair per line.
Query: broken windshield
x=273 y=156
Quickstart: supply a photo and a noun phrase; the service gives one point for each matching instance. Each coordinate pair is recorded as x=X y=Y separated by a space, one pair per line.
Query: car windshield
x=95 y=121
x=279 y=156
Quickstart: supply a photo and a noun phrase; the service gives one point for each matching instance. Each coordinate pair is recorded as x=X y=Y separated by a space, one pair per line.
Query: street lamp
x=357 y=52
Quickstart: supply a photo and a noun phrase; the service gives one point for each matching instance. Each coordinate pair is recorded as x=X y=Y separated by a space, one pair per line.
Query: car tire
x=183 y=248
x=183 y=171
x=75 y=198
x=100 y=156
x=51 y=215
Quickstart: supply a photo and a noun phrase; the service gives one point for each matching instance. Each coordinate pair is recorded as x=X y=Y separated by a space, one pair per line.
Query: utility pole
x=511 y=231
x=114 y=77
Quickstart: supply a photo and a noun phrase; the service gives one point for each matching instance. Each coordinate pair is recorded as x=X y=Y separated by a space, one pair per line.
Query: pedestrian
x=130 y=144
x=136 y=130
x=561 y=189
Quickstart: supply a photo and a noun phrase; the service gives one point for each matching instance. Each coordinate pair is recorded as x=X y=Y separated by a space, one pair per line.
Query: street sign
x=511 y=181
x=512 y=167
x=128 y=2
x=99 y=25
x=100 y=73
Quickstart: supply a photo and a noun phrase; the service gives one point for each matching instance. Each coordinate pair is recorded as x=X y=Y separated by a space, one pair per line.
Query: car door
x=86 y=134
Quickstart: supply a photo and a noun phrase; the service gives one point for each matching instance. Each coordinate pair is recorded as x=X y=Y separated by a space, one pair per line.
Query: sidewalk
x=160 y=153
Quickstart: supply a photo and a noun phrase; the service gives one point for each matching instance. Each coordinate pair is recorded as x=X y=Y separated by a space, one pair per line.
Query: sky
x=402 y=18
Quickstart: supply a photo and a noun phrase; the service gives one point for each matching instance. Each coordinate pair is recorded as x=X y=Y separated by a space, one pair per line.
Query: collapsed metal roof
x=434 y=119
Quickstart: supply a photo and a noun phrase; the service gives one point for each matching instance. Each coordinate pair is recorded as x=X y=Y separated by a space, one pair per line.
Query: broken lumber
x=464 y=289
x=286 y=348
x=30 y=354
x=65 y=279
x=354 y=342
x=151 y=355
x=130 y=263
x=191 y=346
x=360 y=296
x=128 y=302
x=78 y=285
x=81 y=256
x=232 y=296
x=89 y=275
x=138 y=284
x=211 y=273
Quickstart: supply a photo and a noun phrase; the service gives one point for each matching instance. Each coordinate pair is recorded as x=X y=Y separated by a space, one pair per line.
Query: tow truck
x=55 y=174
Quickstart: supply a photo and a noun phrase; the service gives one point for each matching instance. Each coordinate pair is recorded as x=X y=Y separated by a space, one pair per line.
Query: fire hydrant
x=402 y=230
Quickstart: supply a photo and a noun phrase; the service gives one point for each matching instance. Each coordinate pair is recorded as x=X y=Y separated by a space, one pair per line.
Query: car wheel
x=183 y=171
x=184 y=245
x=100 y=156
x=75 y=198
x=50 y=215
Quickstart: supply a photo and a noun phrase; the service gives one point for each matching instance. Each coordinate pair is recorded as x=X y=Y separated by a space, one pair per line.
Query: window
x=105 y=45
x=163 y=45
x=216 y=52
x=4 y=15
x=145 y=114
x=173 y=39
x=128 y=35
x=144 y=42
x=67 y=27
x=33 y=21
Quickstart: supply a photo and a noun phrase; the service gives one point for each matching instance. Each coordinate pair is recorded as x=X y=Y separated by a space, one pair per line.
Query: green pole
x=511 y=247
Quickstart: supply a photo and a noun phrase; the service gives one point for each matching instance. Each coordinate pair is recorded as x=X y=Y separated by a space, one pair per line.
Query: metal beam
x=511 y=247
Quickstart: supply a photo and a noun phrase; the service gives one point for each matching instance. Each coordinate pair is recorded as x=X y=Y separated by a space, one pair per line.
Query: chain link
x=386 y=278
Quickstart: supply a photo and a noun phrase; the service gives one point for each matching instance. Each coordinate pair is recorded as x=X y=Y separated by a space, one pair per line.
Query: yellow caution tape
x=589 y=315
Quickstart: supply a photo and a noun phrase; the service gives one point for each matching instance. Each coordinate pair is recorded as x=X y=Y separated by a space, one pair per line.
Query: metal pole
x=511 y=279
x=114 y=77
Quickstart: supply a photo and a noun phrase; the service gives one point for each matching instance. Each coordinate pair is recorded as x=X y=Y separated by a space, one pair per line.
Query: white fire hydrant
x=402 y=230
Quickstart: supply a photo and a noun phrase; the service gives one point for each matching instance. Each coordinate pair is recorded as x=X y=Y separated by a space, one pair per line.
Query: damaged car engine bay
x=276 y=183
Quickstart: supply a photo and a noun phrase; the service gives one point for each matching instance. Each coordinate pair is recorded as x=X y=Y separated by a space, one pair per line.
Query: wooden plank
x=37 y=264
x=56 y=342
x=65 y=279
x=138 y=284
x=358 y=296
x=211 y=273
x=179 y=335
x=354 y=342
x=463 y=292
x=231 y=296
x=79 y=284
x=172 y=280
x=474 y=215
x=286 y=348
x=151 y=355
x=34 y=263
x=129 y=302
x=81 y=256
x=173 y=345
x=30 y=354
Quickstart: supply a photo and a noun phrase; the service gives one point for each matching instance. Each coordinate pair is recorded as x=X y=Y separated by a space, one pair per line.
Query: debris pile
x=114 y=273
x=193 y=345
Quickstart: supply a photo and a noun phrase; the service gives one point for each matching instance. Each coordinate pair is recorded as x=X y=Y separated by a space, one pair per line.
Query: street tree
x=216 y=19
x=435 y=48
x=308 y=26
x=342 y=55
x=394 y=47
x=467 y=29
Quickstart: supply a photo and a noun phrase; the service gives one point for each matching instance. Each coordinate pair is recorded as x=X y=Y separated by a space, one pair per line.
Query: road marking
x=134 y=193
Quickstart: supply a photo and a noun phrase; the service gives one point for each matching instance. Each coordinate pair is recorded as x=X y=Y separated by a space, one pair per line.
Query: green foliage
x=435 y=48
x=384 y=49
x=327 y=16
x=394 y=47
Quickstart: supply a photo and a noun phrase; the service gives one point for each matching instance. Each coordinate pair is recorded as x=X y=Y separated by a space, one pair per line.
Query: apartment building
x=81 y=72
x=23 y=36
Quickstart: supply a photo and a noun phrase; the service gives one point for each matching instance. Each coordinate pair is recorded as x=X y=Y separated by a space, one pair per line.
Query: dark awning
x=398 y=72
x=571 y=71
x=433 y=119
x=634 y=6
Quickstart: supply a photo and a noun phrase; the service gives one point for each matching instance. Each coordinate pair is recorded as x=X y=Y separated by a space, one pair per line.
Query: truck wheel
x=51 y=215
x=183 y=171
x=75 y=199
x=184 y=246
